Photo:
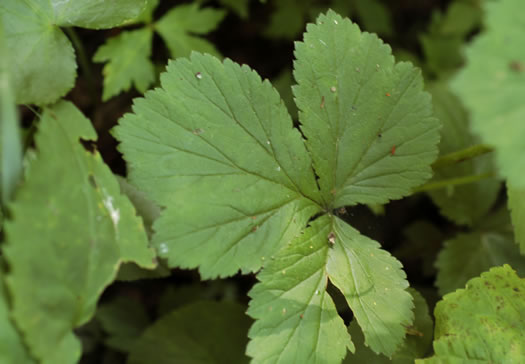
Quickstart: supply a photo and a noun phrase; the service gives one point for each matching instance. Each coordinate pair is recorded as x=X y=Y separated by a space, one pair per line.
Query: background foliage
x=274 y=197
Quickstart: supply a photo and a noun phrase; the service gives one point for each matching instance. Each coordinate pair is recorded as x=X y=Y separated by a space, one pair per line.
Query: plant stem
x=83 y=60
x=453 y=182
x=461 y=155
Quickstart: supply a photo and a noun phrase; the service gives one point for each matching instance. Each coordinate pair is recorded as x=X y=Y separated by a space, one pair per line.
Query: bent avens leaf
x=217 y=149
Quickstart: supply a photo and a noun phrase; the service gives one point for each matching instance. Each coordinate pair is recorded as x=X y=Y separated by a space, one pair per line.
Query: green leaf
x=11 y=167
x=483 y=323
x=416 y=345
x=201 y=124
x=41 y=57
x=496 y=61
x=202 y=332
x=127 y=56
x=123 y=319
x=381 y=136
x=516 y=206
x=464 y=204
x=288 y=18
x=297 y=321
x=373 y=284
x=375 y=16
x=70 y=231
x=180 y=26
x=12 y=349
x=240 y=7
x=467 y=255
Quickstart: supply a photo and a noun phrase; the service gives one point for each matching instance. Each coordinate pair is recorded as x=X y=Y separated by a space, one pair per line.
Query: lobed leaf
x=485 y=322
x=70 y=231
x=201 y=332
x=179 y=27
x=374 y=286
x=463 y=204
x=416 y=344
x=467 y=255
x=217 y=148
x=495 y=61
x=367 y=121
x=296 y=319
x=127 y=56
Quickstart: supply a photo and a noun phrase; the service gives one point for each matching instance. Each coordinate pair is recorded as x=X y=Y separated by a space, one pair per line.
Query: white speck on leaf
x=333 y=89
x=268 y=142
x=322 y=42
x=198 y=75
x=317 y=292
x=163 y=248
x=336 y=22
x=278 y=169
x=113 y=212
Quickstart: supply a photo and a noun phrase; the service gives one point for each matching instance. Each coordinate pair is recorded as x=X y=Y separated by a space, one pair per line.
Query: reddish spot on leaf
x=322 y=102
x=301 y=315
x=331 y=238
x=393 y=150
x=517 y=66
x=254 y=229
x=254 y=217
x=388 y=94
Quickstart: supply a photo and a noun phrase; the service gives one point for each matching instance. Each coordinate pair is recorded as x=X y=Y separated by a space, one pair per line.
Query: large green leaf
x=10 y=142
x=296 y=318
x=70 y=231
x=516 y=205
x=464 y=204
x=467 y=255
x=492 y=84
x=367 y=120
x=41 y=57
x=12 y=348
x=199 y=333
x=181 y=26
x=416 y=344
x=483 y=323
x=128 y=62
x=216 y=147
x=233 y=172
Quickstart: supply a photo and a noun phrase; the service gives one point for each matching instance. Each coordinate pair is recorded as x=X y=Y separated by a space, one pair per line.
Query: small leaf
x=180 y=25
x=517 y=213
x=464 y=204
x=10 y=143
x=375 y=16
x=483 y=323
x=202 y=332
x=374 y=286
x=296 y=318
x=495 y=62
x=12 y=348
x=232 y=172
x=127 y=56
x=374 y=138
x=240 y=7
x=70 y=231
x=467 y=255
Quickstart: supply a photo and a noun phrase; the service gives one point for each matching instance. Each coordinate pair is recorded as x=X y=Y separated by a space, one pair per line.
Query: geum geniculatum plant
x=242 y=188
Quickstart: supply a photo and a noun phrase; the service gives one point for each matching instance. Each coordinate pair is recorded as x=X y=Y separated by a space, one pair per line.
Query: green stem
x=452 y=182
x=83 y=60
x=461 y=155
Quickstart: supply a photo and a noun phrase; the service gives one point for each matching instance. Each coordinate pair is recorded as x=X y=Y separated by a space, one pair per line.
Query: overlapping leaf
x=464 y=204
x=496 y=61
x=216 y=147
x=467 y=255
x=367 y=121
x=71 y=229
x=42 y=58
x=201 y=332
x=483 y=323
